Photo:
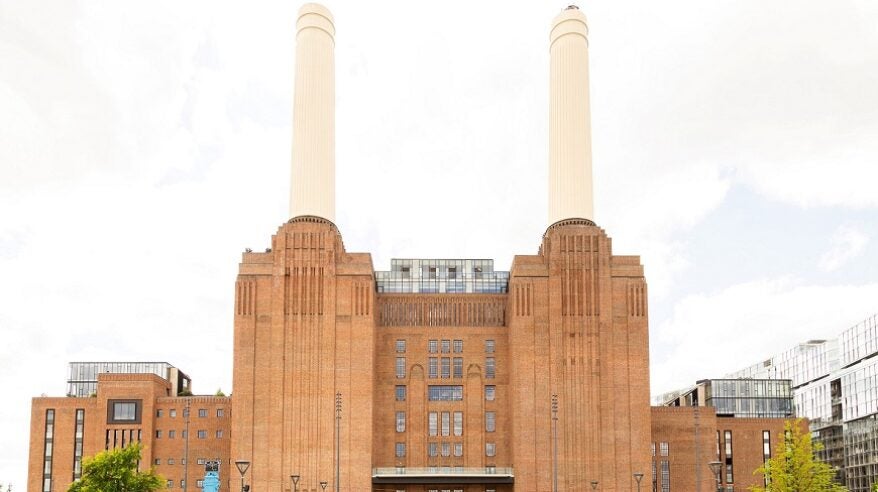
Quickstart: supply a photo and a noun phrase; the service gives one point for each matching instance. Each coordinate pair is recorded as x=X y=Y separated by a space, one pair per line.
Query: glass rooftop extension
x=459 y=276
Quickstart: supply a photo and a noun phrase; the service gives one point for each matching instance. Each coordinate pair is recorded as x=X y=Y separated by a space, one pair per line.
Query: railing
x=447 y=471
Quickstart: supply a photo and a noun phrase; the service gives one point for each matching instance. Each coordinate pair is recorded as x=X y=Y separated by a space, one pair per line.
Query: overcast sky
x=144 y=145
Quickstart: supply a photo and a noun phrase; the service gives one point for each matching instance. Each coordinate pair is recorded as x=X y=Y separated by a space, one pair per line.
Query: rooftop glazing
x=457 y=276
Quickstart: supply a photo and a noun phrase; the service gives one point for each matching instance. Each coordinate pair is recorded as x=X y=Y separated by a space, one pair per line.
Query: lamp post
x=242 y=466
x=554 y=443
x=323 y=484
x=637 y=477
x=594 y=485
x=295 y=480
x=715 y=467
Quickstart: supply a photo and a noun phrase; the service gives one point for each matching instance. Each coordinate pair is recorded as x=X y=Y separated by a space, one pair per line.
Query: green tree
x=116 y=471
x=794 y=466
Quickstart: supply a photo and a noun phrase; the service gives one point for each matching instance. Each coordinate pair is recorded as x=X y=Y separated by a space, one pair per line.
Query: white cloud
x=711 y=335
x=847 y=243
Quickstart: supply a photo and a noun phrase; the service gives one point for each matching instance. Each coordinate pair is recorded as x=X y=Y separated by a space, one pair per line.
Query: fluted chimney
x=312 y=190
x=570 y=181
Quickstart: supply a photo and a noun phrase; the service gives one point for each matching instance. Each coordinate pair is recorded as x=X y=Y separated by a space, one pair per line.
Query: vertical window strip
x=77 y=443
x=47 y=450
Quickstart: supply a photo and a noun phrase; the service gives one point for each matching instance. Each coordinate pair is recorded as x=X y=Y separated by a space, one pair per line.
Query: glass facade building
x=835 y=386
x=82 y=377
x=442 y=276
x=742 y=398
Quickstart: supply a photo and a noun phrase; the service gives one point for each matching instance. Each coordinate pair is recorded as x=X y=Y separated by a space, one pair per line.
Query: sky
x=145 y=145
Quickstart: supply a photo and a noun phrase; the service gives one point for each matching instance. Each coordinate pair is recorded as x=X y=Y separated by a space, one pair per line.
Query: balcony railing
x=443 y=474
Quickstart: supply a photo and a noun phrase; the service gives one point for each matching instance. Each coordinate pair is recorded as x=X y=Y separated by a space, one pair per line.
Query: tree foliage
x=794 y=466
x=116 y=471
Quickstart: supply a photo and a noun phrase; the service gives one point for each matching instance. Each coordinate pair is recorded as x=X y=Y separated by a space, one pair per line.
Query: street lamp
x=638 y=476
x=594 y=485
x=323 y=484
x=295 y=480
x=242 y=466
x=715 y=467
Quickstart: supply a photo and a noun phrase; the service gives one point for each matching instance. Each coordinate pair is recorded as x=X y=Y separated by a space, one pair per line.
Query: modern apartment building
x=835 y=386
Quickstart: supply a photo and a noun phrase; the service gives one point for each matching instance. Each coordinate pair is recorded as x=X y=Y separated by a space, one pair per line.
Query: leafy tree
x=794 y=466
x=219 y=392
x=116 y=471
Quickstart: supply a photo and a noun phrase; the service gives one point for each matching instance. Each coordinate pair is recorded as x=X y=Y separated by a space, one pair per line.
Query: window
x=400 y=450
x=202 y=413
x=433 y=423
x=653 y=451
x=158 y=461
x=219 y=434
x=489 y=346
x=446 y=449
x=458 y=423
x=172 y=413
x=458 y=449
x=766 y=445
x=182 y=484
x=666 y=476
x=200 y=461
x=663 y=448
x=185 y=434
x=490 y=368
x=433 y=449
x=446 y=367
x=452 y=272
x=445 y=393
x=172 y=434
x=458 y=367
x=433 y=346
x=202 y=434
x=220 y=412
x=489 y=392
x=433 y=367
x=199 y=484
x=171 y=461
x=446 y=346
x=406 y=271
x=400 y=346
x=458 y=346
x=158 y=434
x=47 y=450
x=400 y=421
x=158 y=413
x=490 y=449
x=728 y=436
x=124 y=411
x=490 y=423
x=400 y=367
x=729 y=476
x=170 y=484
x=431 y=272
x=446 y=423
x=400 y=392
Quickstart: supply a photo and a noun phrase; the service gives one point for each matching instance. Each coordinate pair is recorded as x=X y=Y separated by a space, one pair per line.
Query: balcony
x=443 y=475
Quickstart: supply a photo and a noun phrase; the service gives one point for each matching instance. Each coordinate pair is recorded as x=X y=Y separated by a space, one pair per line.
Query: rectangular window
x=728 y=436
x=220 y=413
x=400 y=392
x=400 y=421
x=490 y=368
x=489 y=392
x=172 y=434
x=766 y=445
x=458 y=346
x=171 y=461
x=400 y=367
x=400 y=450
x=219 y=434
x=47 y=450
x=717 y=445
x=433 y=449
x=458 y=367
x=400 y=346
x=199 y=484
x=170 y=484
x=77 y=443
x=446 y=367
x=158 y=413
x=433 y=367
x=653 y=449
x=446 y=423
x=158 y=434
x=490 y=423
x=489 y=346
x=123 y=411
x=666 y=477
x=729 y=475
x=446 y=449
x=172 y=413
x=202 y=413
x=490 y=449
x=433 y=423
x=202 y=434
x=663 y=448
x=458 y=424
x=458 y=449
x=446 y=346
x=445 y=393
x=433 y=346
x=158 y=461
